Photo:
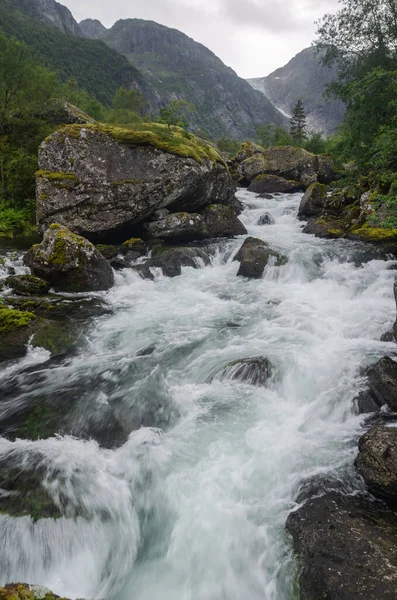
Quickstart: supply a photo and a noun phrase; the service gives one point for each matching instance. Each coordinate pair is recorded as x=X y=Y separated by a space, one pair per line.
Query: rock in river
x=69 y=262
x=313 y=201
x=377 y=461
x=254 y=255
x=263 y=184
x=382 y=387
x=255 y=371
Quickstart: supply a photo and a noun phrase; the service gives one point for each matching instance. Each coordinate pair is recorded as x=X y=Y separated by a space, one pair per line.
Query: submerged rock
x=266 y=219
x=27 y=285
x=171 y=261
x=101 y=181
x=312 y=203
x=382 y=387
x=254 y=371
x=254 y=256
x=270 y=184
x=347 y=548
x=377 y=461
x=69 y=262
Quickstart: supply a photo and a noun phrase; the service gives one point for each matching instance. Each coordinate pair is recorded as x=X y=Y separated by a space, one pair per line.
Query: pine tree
x=298 y=123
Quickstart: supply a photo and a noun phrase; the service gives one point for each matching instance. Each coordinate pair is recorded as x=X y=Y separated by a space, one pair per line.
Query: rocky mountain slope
x=92 y=28
x=178 y=67
x=303 y=78
x=49 y=13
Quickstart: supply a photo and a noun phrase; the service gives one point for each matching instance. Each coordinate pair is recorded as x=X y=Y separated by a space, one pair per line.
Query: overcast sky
x=254 y=37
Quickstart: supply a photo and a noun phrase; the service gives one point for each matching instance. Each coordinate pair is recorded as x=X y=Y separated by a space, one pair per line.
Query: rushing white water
x=195 y=510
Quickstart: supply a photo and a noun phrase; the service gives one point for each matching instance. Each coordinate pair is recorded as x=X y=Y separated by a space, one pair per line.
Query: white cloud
x=254 y=37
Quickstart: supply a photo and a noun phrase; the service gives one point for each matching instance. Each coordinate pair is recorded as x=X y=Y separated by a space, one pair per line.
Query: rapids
x=194 y=508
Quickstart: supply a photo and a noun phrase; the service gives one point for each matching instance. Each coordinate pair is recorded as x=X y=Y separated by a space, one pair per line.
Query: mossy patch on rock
x=366 y=233
x=134 y=245
x=24 y=591
x=14 y=320
x=57 y=176
x=27 y=285
x=174 y=140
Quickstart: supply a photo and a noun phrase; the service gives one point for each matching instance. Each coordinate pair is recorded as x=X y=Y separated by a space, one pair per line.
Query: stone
x=25 y=591
x=288 y=162
x=313 y=201
x=382 y=383
x=254 y=371
x=27 y=285
x=395 y=323
x=266 y=219
x=254 y=255
x=107 y=250
x=270 y=184
x=246 y=150
x=171 y=261
x=134 y=245
x=69 y=262
x=222 y=221
x=102 y=181
x=377 y=461
x=324 y=227
x=347 y=548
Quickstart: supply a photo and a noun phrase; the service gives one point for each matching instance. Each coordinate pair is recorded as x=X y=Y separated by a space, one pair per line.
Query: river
x=194 y=508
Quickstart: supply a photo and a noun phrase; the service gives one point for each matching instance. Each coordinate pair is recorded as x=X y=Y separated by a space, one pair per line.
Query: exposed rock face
x=222 y=221
x=69 y=262
x=271 y=183
x=60 y=112
x=377 y=461
x=347 y=548
x=382 y=387
x=288 y=162
x=92 y=28
x=101 y=181
x=254 y=256
x=304 y=77
x=313 y=201
x=50 y=13
x=254 y=371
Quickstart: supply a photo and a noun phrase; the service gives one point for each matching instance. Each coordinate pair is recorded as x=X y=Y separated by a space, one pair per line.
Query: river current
x=195 y=508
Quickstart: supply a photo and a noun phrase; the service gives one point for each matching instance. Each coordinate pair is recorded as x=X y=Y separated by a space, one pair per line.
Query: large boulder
x=347 y=548
x=270 y=184
x=324 y=227
x=69 y=262
x=288 y=162
x=215 y=221
x=246 y=150
x=101 y=181
x=27 y=285
x=254 y=256
x=377 y=461
x=313 y=201
x=382 y=387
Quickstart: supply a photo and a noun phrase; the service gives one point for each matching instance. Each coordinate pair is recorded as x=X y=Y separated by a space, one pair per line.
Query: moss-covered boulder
x=290 y=163
x=25 y=591
x=135 y=245
x=246 y=150
x=221 y=221
x=254 y=255
x=102 y=181
x=325 y=227
x=270 y=184
x=107 y=250
x=377 y=461
x=28 y=285
x=313 y=201
x=19 y=328
x=69 y=262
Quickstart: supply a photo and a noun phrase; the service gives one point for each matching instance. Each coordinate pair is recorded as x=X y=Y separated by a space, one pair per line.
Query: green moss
x=375 y=234
x=333 y=226
x=22 y=591
x=12 y=320
x=57 y=176
x=175 y=141
x=36 y=425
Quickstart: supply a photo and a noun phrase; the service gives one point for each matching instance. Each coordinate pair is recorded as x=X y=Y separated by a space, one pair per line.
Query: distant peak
x=92 y=28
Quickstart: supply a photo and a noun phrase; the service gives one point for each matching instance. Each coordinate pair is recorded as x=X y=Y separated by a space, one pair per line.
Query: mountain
x=49 y=13
x=304 y=78
x=176 y=66
x=98 y=69
x=92 y=28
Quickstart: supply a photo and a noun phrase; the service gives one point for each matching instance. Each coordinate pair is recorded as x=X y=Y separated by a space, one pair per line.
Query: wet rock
x=312 y=203
x=288 y=162
x=347 y=548
x=135 y=246
x=254 y=255
x=222 y=221
x=102 y=181
x=324 y=227
x=254 y=371
x=171 y=261
x=272 y=183
x=107 y=250
x=27 y=285
x=183 y=227
x=266 y=196
x=382 y=385
x=66 y=310
x=266 y=219
x=388 y=336
x=395 y=323
x=377 y=461
x=69 y=262
x=344 y=482
x=25 y=591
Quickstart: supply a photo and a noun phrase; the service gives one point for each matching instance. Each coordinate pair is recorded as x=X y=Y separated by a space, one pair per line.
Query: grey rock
x=27 y=285
x=254 y=371
x=177 y=227
x=171 y=261
x=222 y=221
x=254 y=256
x=313 y=201
x=346 y=547
x=377 y=461
x=92 y=28
x=69 y=262
x=272 y=183
x=101 y=188
x=50 y=13
x=382 y=382
x=266 y=219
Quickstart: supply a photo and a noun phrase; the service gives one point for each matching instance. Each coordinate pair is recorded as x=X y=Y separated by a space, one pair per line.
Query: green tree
x=177 y=112
x=298 y=123
x=265 y=135
x=316 y=143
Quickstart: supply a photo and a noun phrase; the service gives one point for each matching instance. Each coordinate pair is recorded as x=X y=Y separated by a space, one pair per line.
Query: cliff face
x=50 y=13
x=92 y=28
x=304 y=78
x=178 y=67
